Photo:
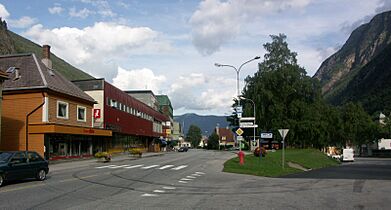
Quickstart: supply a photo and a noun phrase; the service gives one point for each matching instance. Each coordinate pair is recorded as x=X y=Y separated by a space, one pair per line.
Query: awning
x=67 y=129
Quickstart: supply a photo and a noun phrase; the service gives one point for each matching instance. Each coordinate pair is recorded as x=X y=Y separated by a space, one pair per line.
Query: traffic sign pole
x=283 y=133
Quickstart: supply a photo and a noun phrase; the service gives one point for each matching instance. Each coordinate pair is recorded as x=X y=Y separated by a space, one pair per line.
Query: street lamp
x=243 y=98
x=237 y=78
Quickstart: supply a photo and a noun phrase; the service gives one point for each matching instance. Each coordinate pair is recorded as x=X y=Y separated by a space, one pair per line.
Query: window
x=62 y=110
x=19 y=157
x=34 y=157
x=81 y=113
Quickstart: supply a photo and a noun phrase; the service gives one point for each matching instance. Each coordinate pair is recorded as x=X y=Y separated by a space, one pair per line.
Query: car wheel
x=1 y=180
x=41 y=175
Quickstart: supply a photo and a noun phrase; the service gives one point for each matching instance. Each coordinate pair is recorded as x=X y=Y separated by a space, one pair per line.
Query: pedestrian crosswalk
x=144 y=167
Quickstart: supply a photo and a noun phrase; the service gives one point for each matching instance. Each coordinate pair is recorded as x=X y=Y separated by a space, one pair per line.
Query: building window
x=62 y=109
x=81 y=113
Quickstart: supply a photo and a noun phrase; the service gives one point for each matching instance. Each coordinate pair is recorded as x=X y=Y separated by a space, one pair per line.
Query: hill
x=12 y=43
x=206 y=123
x=371 y=85
x=364 y=44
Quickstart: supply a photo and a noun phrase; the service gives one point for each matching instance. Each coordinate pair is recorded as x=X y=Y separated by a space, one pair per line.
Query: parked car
x=347 y=155
x=21 y=165
x=183 y=149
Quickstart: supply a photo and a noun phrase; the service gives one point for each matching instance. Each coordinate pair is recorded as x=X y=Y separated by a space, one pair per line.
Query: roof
x=140 y=92
x=35 y=75
x=227 y=133
x=3 y=75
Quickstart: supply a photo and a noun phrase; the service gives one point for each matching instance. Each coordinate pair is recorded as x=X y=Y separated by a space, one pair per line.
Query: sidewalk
x=76 y=163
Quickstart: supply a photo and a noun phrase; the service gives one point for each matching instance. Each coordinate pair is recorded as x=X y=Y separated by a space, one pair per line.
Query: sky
x=171 y=46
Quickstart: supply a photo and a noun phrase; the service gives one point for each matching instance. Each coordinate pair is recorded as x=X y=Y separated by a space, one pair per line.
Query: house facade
x=44 y=112
x=134 y=124
x=226 y=137
x=3 y=77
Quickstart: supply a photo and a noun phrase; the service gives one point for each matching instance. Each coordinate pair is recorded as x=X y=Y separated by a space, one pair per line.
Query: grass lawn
x=271 y=164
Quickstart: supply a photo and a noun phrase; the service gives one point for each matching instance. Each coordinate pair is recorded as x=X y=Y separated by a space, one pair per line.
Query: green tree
x=213 y=141
x=194 y=135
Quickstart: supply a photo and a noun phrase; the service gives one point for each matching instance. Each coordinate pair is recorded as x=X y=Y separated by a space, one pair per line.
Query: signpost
x=283 y=133
x=239 y=137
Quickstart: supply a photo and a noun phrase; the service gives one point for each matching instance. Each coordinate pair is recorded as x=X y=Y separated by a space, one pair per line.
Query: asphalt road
x=194 y=180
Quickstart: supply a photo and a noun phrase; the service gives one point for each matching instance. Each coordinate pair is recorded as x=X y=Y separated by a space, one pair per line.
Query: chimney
x=46 y=56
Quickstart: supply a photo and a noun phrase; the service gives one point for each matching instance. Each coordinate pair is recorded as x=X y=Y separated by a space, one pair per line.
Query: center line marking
x=190 y=177
x=169 y=188
x=184 y=179
x=135 y=166
x=148 y=195
x=199 y=172
x=179 y=167
x=148 y=167
x=182 y=182
x=166 y=166
x=159 y=191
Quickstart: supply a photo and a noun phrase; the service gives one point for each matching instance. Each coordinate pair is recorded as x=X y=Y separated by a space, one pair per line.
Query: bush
x=105 y=155
x=257 y=151
x=136 y=151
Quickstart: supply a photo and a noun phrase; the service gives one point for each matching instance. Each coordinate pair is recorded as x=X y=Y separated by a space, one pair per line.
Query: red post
x=241 y=157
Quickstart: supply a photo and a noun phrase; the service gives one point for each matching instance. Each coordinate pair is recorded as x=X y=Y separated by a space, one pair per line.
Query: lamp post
x=243 y=98
x=237 y=78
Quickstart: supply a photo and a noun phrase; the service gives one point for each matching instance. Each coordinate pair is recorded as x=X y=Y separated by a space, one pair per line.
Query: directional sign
x=283 y=132
x=266 y=135
x=245 y=124
x=248 y=126
x=239 y=132
x=247 y=119
x=239 y=138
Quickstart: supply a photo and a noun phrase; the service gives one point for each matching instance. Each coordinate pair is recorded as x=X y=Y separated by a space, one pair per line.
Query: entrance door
x=62 y=149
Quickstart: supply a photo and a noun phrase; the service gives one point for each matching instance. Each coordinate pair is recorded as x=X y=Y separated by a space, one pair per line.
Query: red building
x=134 y=124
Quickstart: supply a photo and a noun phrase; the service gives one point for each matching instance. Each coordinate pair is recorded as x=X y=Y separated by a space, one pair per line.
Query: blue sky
x=170 y=46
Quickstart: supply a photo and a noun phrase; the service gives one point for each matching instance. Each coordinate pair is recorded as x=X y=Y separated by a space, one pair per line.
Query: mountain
x=364 y=44
x=371 y=86
x=11 y=43
x=206 y=123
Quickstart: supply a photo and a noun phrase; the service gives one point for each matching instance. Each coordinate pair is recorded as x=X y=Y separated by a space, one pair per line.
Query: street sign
x=239 y=138
x=266 y=135
x=248 y=126
x=239 y=109
x=283 y=132
x=239 y=115
x=239 y=132
x=247 y=119
x=245 y=124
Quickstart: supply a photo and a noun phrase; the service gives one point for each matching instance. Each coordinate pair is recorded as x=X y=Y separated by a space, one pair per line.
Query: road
x=194 y=180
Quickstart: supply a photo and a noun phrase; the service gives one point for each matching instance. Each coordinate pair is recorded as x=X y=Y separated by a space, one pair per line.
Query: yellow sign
x=239 y=132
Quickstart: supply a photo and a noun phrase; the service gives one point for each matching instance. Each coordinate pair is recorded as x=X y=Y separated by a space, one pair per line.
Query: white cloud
x=138 y=79
x=55 y=10
x=217 y=22
x=80 y=14
x=23 y=22
x=3 y=12
x=102 y=6
x=98 y=47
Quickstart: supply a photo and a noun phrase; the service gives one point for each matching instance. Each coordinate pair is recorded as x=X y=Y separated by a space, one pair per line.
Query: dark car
x=183 y=149
x=22 y=165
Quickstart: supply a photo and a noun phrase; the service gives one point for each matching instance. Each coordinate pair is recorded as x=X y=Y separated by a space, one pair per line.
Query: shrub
x=257 y=151
x=105 y=155
x=136 y=151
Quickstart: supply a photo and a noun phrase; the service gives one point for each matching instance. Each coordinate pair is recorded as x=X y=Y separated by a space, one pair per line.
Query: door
x=19 y=167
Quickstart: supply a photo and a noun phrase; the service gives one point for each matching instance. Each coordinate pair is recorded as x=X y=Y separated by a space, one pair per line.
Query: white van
x=347 y=155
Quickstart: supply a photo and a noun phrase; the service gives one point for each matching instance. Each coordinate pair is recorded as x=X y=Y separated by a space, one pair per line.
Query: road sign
x=247 y=119
x=283 y=132
x=266 y=135
x=239 y=138
x=248 y=126
x=239 y=109
x=245 y=124
x=239 y=115
x=239 y=132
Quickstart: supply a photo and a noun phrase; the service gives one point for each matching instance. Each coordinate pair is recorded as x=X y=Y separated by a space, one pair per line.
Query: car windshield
x=5 y=156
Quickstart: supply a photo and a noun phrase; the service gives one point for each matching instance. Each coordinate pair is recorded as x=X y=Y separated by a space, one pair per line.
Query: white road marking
x=135 y=166
x=159 y=191
x=148 y=195
x=199 y=172
x=105 y=166
x=166 y=166
x=121 y=166
x=169 y=188
x=179 y=167
x=191 y=177
x=196 y=175
x=151 y=166
x=182 y=182
x=184 y=179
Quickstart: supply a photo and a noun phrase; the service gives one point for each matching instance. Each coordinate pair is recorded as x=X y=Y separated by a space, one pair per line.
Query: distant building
x=3 y=76
x=145 y=96
x=165 y=107
x=45 y=112
x=226 y=137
